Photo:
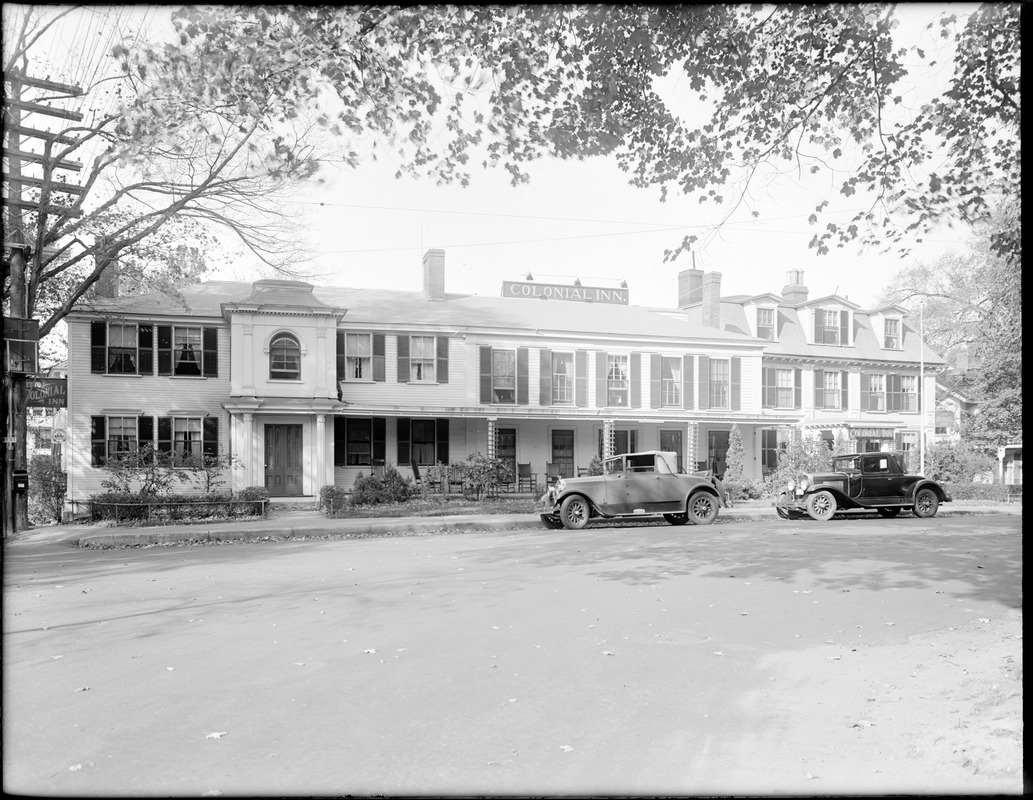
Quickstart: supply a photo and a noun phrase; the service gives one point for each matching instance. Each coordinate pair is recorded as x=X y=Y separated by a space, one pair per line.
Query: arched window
x=285 y=358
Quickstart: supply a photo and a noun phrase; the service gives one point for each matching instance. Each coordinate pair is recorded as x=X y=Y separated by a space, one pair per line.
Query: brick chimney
x=690 y=287
x=434 y=274
x=712 y=299
x=107 y=284
x=794 y=293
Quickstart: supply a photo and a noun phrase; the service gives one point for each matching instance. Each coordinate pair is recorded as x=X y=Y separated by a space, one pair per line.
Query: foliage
x=332 y=498
x=391 y=488
x=131 y=507
x=253 y=493
x=595 y=466
x=735 y=465
x=485 y=473
x=802 y=454
x=956 y=462
x=207 y=472
x=153 y=472
x=47 y=486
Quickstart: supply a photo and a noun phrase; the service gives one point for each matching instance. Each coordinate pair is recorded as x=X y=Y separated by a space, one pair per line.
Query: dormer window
x=831 y=326
x=285 y=358
x=766 y=323
x=891 y=340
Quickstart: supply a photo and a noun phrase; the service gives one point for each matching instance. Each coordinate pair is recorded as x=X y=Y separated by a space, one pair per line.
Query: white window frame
x=563 y=383
x=422 y=366
x=284 y=335
x=898 y=338
x=879 y=392
x=501 y=382
x=832 y=389
x=909 y=395
x=671 y=387
x=720 y=390
x=774 y=318
x=357 y=361
x=785 y=387
x=133 y=352
x=618 y=380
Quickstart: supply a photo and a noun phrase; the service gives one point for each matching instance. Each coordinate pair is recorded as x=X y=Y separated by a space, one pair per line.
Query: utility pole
x=22 y=275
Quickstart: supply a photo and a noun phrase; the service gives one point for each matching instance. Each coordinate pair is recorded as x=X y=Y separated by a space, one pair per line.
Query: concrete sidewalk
x=312 y=523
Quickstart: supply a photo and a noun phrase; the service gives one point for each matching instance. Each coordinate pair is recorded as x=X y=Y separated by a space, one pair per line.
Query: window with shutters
x=670 y=382
x=909 y=393
x=720 y=383
x=876 y=393
x=115 y=436
x=186 y=437
x=563 y=378
x=827 y=326
x=186 y=351
x=422 y=353
x=359 y=443
x=617 y=383
x=422 y=441
x=832 y=397
x=122 y=436
x=123 y=350
x=785 y=388
x=285 y=358
x=358 y=356
x=503 y=376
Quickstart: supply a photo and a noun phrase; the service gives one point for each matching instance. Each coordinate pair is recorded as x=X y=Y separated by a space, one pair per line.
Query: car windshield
x=846 y=464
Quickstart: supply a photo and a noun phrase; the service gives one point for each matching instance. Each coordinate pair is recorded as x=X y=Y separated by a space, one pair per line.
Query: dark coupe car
x=633 y=486
x=860 y=482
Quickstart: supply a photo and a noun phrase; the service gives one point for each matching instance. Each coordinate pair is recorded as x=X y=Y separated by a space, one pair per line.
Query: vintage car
x=633 y=486
x=861 y=482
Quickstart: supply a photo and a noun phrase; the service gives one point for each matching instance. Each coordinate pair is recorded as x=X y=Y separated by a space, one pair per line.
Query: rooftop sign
x=557 y=291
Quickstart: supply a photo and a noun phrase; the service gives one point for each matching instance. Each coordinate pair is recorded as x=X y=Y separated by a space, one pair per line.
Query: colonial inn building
x=307 y=386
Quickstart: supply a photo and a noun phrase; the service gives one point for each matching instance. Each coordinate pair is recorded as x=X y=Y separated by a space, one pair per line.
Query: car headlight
x=560 y=486
x=791 y=485
x=804 y=484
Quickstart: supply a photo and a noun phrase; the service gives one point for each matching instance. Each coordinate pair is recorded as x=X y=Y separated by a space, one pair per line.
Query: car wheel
x=926 y=503
x=888 y=512
x=574 y=512
x=821 y=506
x=676 y=519
x=702 y=508
x=552 y=523
x=780 y=506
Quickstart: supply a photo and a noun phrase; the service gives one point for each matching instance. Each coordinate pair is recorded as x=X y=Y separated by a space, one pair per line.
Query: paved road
x=748 y=657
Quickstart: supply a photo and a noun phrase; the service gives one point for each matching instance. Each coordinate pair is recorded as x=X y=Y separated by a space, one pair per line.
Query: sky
x=574 y=219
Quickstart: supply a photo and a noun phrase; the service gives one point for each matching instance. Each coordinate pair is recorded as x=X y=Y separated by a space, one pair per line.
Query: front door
x=563 y=452
x=671 y=441
x=717 y=449
x=283 y=463
x=505 y=448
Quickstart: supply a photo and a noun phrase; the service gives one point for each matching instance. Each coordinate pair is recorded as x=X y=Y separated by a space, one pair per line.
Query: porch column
x=691 y=446
x=248 y=450
x=319 y=458
x=247 y=379
x=608 y=438
x=491 y=437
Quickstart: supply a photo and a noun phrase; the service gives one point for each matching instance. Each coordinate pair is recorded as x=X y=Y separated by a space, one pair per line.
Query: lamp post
x=921 y=387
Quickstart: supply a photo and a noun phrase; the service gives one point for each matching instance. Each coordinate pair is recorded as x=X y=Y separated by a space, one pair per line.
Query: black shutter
x=145 y=431
x=340 y=442
x=164 y=349
x=866 y=392
x=735 y=392
x=442 y=441
x=819 y=388
x=635 y=365
x=844 y=329
x=379 y=440
x=581 y=378
x=893 y=393
x=164 y=435
x=819 y=322
x=442 y=367
x=600 y=380
x=797 y=388
x=655 y=379
x=404 y=425
x=210 y=437
x=403 y=359
x=146 y=343
x=687 y=381
x=485 y=359
x=210 y=347
x=340 y=358
x=544 y=377
x=379 y=361
x=769 y=393
x=844 y=391
x=98 y=347
x=98 y=441
x=704 y=382
x=522 y=391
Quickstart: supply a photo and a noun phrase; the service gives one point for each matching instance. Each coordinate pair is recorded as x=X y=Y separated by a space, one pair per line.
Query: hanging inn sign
x=47 y=392
x=558 y=291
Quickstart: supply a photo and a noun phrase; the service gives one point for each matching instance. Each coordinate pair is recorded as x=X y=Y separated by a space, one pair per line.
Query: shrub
x=47 y=485
x=155 y=472
x=253 y=493
x=744 y=489
x=484 y=473
x=332 y=498
x=391 y=488
x=595 y=466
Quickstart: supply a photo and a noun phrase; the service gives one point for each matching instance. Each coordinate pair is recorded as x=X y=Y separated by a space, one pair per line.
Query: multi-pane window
x=422 y=352
x=670 y=382
x=909 y=393
x=766 y=323
x=358 y=356
x=359 y=443
x=617 y=381
x=720 y=380
x=122 y=436
x=285 y=358
x=785 y=388
x=563 y=378
x=186 y=437
x=623 y=442
x=892 y=331
x=877 y=393
x=122 y=348
x=503 y=376
x=773 y=442
x=832 y=398
x=908 y=446
x=827 y=328
x=422 y=439
x=186 y=356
